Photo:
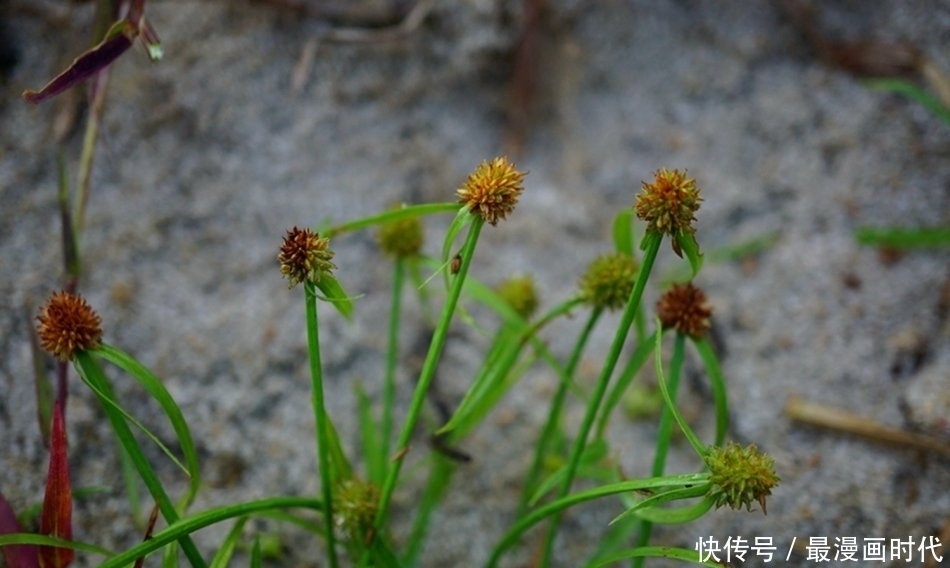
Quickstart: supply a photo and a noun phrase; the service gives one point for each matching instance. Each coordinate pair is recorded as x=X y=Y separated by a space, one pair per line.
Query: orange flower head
x=68 y=324
x=668 y=204
x=492 y=190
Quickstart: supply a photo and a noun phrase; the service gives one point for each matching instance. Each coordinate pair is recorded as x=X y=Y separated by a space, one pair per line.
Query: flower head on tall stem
x=521 y=295
x=492 y=190
x=668 y=204
x=68 y=324
x=740 y=475
x=609 y=280
x=304 y=256
x=685 y=308
x=401 y=238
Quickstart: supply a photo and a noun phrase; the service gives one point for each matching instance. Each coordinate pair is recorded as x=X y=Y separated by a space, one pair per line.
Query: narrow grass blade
x=718 y=382
x=642 y=509
x=623 y=231
x=157 y=390
x=222 y=557
x=188 y=525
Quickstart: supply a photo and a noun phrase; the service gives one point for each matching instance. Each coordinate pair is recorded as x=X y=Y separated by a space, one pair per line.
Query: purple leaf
x=56 y=518
x=17 y=555
x=117 y=41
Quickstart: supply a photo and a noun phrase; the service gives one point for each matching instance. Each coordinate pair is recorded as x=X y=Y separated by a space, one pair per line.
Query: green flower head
x=609 y=281
x=740 y=475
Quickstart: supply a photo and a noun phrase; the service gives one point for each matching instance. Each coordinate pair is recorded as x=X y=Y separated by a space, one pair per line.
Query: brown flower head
x=740 y=475
x=304 y=256
x=492 y=190
x=520 y=293
x=668 y=204
x=609 y=281
x=354 y=508
x=401 y=238
x=68 y=324
x=685 y=308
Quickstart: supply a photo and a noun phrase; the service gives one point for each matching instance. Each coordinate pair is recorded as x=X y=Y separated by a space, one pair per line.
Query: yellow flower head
x=68 y=324
x=492 y=190
x=668 y=204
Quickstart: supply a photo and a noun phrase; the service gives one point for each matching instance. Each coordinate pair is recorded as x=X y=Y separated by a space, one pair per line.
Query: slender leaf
x=623 y=231
x=225 y=552
x=642 y=508
x=334 y=293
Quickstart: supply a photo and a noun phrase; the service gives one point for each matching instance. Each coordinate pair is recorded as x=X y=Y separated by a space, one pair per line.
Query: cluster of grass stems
x=352 y=512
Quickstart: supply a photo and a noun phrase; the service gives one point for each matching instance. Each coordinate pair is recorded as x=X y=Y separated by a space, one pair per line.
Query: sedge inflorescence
x=685 y=308
x=67 y=324
x=401 y=238
x=492 y=190
x=740 y=475
x=355 y=503
x=304 y=256
x=520 y=293
x=668 y=204
x=609 y=280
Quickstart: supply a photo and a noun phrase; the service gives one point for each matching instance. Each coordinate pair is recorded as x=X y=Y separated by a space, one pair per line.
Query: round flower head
x=520 y=294
x=401 y=238
x=668 y=204
x=492 y=190
x=304 y=256
x=609 y=281
x=354 y=508
x=67 y=324
x=685 y=308
x=740 y=475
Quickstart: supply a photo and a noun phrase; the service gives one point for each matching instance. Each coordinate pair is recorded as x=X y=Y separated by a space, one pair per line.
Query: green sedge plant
x=352 y=513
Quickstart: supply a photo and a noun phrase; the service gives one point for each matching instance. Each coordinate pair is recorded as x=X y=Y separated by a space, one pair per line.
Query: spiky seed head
x=668 y=203
x=740 y=475
x=67 y=324
x=304 y=256
x=685 y=308
x=492 y=190
x=354 y=508
x=521 y=295
x=401 y=238
x=609 y=280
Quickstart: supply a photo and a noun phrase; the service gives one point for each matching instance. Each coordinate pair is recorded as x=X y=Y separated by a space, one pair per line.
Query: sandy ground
x=207 y=157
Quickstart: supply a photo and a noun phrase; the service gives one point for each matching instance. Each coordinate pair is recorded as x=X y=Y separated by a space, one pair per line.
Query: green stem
x=320 y=417
x=89 y=369
x=664 y=433
x=649 y=484
x=392 y=356
x=425 y=379
x=652 y=242
x=720 y=395
x=554 y=414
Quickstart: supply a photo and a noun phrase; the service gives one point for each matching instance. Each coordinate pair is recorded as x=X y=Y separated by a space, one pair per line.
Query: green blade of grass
x=188 y=525
x=157 y=390
x=659 y=552
x=225 y=552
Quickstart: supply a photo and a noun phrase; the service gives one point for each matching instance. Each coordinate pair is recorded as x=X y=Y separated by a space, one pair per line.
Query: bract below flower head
x=492 y=190
x=304 y=256
x=68 y=324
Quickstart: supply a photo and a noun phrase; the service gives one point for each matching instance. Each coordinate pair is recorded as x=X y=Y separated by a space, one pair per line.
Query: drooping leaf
x=116 y=42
